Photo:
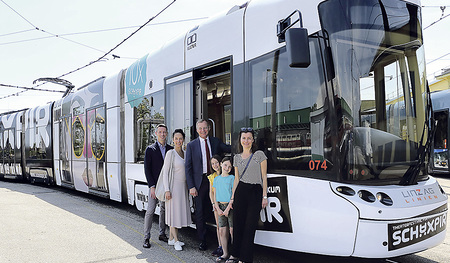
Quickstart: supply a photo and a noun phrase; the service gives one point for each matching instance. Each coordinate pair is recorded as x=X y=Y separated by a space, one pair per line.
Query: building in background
x=442 y=81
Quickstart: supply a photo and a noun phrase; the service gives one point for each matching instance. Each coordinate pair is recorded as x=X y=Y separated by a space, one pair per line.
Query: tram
x=441 y=104
x=314 y=79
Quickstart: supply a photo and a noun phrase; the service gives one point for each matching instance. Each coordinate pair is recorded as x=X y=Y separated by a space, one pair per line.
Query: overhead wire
x=88 y=64
x=28 y=21
x=89 y=32
x=440 y=19
x=436 y=59
x=435 y=22
x=28 y=88
x=123 y=41
x=17 y=32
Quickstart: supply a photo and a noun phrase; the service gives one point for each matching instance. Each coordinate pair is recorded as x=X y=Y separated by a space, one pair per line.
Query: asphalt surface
x=41 y=224
x=53 y=224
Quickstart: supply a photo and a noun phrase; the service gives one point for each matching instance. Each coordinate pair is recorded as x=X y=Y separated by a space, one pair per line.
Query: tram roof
x=440 y=99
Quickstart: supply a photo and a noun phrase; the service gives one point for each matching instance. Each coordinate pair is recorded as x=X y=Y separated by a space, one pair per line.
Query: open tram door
x=440 y=145
x=213 y=98
x=202 y=93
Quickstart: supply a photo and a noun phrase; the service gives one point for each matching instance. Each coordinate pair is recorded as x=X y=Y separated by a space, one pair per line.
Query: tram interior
x=215 y=84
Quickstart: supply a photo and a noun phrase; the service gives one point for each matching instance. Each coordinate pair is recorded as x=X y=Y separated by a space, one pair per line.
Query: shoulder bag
x=245 y=169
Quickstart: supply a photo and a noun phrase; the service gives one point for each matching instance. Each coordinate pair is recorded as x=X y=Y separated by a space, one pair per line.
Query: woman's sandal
x=232 y=260
x=221 y=259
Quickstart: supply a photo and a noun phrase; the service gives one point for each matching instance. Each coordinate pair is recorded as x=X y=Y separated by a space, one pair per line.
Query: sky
x=49 y=38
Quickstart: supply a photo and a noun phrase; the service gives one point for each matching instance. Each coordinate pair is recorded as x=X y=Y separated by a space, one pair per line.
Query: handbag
x=159 y=189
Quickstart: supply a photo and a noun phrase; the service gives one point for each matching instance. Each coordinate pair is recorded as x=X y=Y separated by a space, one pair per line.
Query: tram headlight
x=366 y=196
x=345 y=190
x=385 y=199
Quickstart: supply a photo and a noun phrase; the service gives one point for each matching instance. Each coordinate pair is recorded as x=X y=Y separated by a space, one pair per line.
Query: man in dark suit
x=153 y=163
x=198 y=153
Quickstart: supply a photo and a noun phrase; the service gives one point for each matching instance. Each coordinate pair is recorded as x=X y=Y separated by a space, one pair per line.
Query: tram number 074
x=317 y=164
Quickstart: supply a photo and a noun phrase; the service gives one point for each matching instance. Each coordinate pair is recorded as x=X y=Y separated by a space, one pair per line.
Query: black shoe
x=163 y=238
x=203 y=246
x=147 y=243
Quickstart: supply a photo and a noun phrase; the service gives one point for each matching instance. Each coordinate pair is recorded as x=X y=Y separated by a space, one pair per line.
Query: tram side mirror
x=297 y=46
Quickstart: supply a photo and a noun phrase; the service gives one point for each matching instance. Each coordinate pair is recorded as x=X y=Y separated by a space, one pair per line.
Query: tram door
x=2 y=158
x=213 y=95
x=8 y=152
x=201 y=94
x=178 y=106
x=65 y=149
x=96 y=140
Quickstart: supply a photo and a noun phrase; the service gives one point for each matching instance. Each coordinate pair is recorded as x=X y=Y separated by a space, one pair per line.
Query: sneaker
x=172 y=242
x=178 y=246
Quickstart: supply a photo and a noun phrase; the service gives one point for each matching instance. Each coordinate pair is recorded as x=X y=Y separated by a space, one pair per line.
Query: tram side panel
x=114 y=142
x=144 y=109
x=38 y=144
x=88 y=123
x=80 y=128
x=57 y=134
x=305 y=215
x=11 y=145
x=216 y=40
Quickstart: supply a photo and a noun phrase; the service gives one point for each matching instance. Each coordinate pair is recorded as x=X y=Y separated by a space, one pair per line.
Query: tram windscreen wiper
x=412 y=174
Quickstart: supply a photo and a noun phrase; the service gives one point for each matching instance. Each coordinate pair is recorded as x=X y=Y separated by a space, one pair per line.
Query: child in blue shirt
x=222 y=190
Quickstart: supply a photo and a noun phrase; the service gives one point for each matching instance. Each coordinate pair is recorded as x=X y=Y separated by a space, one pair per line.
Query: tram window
x=147 y=115
x=97 y=132
x=441 y=133
x=289 y=106
x=78 y=136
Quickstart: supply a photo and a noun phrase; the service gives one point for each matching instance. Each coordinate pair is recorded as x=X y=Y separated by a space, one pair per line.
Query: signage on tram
x=276 y=216
x=135 y=81
x=407 y=233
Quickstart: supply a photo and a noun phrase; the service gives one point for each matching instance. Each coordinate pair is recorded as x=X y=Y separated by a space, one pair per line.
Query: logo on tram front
x=276 y=216
x=407 y=233
x=419 y=195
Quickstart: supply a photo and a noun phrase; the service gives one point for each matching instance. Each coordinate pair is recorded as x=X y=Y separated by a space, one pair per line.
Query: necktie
x=208 y=158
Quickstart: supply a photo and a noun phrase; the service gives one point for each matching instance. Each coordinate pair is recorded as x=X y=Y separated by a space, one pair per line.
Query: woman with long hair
x=249 y=195
x=178 y=214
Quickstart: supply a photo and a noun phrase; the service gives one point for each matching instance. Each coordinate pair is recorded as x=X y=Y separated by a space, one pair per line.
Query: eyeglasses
x=248 y=129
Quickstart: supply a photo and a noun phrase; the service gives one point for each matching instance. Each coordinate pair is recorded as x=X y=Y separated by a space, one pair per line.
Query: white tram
x=347 y=177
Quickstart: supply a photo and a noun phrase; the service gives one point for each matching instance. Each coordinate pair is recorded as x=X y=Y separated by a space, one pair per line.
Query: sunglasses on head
x=248 y=129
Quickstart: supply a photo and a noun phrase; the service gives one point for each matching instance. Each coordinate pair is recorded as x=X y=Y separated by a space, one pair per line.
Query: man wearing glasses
x=198 y=154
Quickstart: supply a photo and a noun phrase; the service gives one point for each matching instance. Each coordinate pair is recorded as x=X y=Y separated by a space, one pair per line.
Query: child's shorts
x=223 y=220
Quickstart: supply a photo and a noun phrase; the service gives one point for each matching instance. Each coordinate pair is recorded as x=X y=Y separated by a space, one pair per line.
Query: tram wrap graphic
x=276 y=216
x=407 y=233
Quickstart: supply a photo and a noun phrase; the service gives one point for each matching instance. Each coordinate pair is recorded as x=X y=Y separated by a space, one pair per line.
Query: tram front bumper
x=385 y=239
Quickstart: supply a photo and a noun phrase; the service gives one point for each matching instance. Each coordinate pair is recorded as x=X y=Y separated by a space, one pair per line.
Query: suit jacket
x=194 y=160
x=153 y=162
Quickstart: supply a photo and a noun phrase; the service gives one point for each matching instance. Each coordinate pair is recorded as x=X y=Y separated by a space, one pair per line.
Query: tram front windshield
x=379 y=88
